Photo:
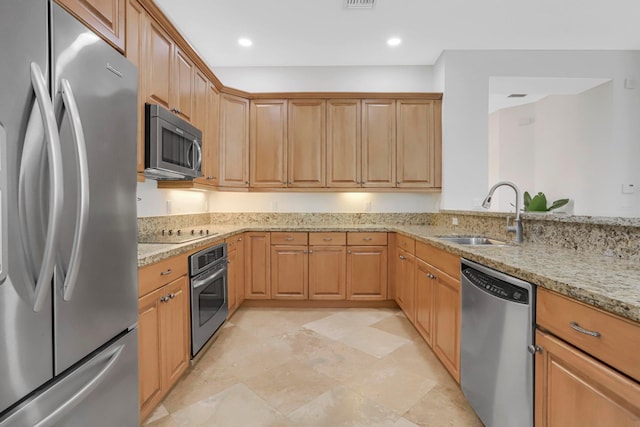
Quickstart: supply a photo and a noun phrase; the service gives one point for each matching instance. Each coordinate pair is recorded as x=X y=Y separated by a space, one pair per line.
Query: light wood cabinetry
x=405 y=282
x=199 y=96
x=418 y=144
x=160 y=57
x=575 y=390
x=289 y=272
x=105 y=17
x=268 y=139
x=234 y=141
x=210 y=128
x=344 y=143
x=164 y=340
x=367 y=273
x=306 y=143
x=184 y=72
x=424 y=300
x=378 y=143
x=327 y=271
x=235 y=272
x=257 y=273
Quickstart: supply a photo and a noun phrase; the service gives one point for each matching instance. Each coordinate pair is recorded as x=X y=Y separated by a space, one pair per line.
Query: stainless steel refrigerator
x=68 y=281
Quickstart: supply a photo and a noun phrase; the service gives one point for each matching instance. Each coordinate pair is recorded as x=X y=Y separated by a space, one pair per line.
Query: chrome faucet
x=517 y=227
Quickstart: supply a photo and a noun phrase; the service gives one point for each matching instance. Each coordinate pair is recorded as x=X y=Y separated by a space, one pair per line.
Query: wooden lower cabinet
x=575 y=390
x=405 y=282
x=164 y=341
x=327 y=272
x=235 y=272
x=424 y=300
x=367 y=273
x=289 y=272
x=257 y=271
x=446 y=322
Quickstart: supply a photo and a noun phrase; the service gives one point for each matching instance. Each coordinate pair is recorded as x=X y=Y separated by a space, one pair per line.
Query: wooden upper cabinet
x=344 y=143
x=160 y=57
x=200 y=87
x=234 y=141
x=136 y=50
x=416 y=144
x=378 y=143
x=306 y=143
x=105 y=17
x=268 y=142
x=183 y=86
x=211 y=136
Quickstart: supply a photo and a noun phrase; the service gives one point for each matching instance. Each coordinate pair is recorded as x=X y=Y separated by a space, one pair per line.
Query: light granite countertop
x=608 y=283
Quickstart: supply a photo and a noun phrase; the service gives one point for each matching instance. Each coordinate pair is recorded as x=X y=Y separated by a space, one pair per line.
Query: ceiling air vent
x=517 y=95
x=359 y=4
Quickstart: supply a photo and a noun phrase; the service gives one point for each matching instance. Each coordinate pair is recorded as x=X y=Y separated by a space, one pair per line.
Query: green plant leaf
x=558 y=203
x=538 y=203
x=527 y=200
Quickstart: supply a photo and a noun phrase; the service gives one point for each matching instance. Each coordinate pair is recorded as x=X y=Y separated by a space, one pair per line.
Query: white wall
x=465 y=124
x=328 y=79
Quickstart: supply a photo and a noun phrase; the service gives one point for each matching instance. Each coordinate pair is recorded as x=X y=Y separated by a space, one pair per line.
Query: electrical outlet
x=169 y=207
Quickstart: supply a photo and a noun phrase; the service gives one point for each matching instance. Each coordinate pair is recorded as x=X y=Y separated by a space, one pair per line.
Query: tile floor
x=316 y=367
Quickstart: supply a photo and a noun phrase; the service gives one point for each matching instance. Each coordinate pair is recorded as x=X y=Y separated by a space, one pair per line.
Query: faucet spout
x=517 y=228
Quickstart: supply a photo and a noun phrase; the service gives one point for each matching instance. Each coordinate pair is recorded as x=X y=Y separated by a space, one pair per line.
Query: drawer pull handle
x=327 y=239
x=288 y=239
x=367 y=238
x=582 y=330
x=403 y=257
x=166 y=273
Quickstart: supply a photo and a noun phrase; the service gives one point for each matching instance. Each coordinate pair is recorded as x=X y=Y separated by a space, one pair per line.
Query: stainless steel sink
x=472 y=241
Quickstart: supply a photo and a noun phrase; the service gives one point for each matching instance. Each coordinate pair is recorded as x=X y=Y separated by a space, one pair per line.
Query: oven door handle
x=195 y=284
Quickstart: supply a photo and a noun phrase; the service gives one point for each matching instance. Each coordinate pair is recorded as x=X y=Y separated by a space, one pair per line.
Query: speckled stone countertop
x=608 y=283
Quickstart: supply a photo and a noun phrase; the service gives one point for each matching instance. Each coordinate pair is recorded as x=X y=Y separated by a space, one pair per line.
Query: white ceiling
x=324 y=33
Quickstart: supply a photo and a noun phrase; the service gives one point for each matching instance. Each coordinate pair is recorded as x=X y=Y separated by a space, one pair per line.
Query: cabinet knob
x=431 y=276
x=172 y=295
x=164 y=299
x=246 y=182
x=239 y=239
x=533 y=349
x=348 y=252
x=310 y=251
x=403 y=257
x=305 y=252
x=166 y=273
x=209 y=177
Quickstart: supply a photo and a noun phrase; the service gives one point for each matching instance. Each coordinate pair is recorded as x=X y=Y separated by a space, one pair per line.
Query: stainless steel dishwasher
x=497 y=341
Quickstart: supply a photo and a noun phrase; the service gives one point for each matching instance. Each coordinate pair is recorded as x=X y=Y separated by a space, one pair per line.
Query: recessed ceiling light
x=394 y=41
x=245 y=42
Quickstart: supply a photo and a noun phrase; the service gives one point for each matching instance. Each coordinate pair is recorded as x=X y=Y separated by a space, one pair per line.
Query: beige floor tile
x=373 y=341
x=338 y=360
x=418 y=358
x=160 y=412
x=198 y=385
x=290 y=385
x=391 y=385
x=443 y=407
x=166 y=421
x=342 y=407
x=340 y=324
x=236 y=406
x=397 y=325
x=403 y=422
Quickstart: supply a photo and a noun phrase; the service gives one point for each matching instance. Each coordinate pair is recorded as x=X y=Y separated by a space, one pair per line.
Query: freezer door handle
x=54 y=154
x=82 y=213
x=55 y=416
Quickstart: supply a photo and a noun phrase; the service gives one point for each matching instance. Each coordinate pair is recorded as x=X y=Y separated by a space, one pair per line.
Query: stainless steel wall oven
x=209 y=297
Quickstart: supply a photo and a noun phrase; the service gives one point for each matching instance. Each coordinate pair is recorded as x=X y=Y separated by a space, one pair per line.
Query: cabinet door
x=289 y=272
x=240 y=261
x=232 y=282
x=446 y=328
x=306 y=143
x=176 y=329
x=575 y=390
x=424 y=300
x=268 y=140
x=105 y=17
x=199 y=114
x=257 y=268
x=367 y=273
x=234 y=141
x=183 y=85
x=327 y=272
x=405 y=283
x=416 y=144
x=378 y=143
x=159 y=61
x=211 y=140
x=344 y=144
x=149 y=351
x=136 y=49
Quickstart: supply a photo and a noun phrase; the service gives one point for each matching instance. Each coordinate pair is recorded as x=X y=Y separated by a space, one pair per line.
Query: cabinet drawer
x=232 y=242
x=365 y=239
x=327 y=239
x=285 y=238
x=440 y=259
x=617 y=345
x=154 y=276
x=406 y=243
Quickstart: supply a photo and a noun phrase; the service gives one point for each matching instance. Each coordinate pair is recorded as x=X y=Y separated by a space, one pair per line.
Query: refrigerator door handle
x=51 y=419
x=83 y=190
x=54 y=154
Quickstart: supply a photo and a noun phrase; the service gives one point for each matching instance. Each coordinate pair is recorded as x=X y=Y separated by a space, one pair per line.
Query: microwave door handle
x=206 y=280
x=198 y=162
x=54 y=156
x=82 y=212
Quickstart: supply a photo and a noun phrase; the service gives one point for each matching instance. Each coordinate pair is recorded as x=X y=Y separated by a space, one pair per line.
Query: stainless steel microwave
x=173 y=147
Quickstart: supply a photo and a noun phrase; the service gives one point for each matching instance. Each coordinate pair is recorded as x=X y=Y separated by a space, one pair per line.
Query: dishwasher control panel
x=496 y=287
